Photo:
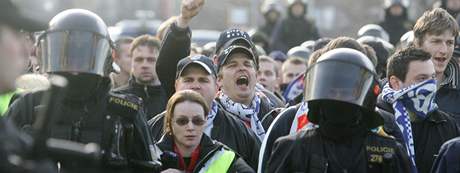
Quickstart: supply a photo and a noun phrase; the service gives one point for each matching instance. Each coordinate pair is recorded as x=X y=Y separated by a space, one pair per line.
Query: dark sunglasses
x=182 y=121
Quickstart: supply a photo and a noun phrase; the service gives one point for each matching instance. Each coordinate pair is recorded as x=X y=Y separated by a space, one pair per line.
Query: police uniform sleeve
x=175 y=46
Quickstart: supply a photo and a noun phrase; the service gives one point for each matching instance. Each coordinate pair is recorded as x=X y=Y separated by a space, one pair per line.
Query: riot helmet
x=77 y=41
x=299 y=51
x=374 y=30
x=407 y=39
x=342 y=75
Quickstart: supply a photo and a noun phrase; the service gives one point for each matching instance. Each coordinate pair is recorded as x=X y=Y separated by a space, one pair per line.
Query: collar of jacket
x=206 y=143
x=452 y=75
x=434 y=117
x=146 y=89
x=208 y=147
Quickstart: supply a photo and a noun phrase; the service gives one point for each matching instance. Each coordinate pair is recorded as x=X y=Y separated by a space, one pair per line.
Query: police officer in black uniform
x=344 y=140
x=75 y=46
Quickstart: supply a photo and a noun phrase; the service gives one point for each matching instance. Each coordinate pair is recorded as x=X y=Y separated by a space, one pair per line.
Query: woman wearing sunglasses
x=185 y=147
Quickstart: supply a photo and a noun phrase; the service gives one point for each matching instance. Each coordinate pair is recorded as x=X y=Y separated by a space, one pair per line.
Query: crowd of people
x=280 y=98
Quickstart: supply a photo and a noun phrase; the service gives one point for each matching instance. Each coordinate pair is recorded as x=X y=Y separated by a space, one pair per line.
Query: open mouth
x=242 y=80
x=440 y=59
x=265 y=86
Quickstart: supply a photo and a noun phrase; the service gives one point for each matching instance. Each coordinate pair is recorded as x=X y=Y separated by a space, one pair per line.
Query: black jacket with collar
x=448 y=95
x=226 y=129
x=154 y=97
x=208 y=149
x=428 y=134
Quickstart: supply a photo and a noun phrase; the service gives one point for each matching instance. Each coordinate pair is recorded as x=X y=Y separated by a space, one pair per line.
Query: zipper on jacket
x=146 y=91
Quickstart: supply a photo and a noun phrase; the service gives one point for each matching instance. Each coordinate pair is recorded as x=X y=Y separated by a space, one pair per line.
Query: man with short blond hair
x=144 y=81
x=292 y=68
x=435 y=33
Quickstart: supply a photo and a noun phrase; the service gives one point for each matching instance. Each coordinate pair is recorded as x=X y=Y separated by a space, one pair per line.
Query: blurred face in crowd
x=144 y=59
x=12 y=59
x=195 y=78
x=237 y=77
x=441 y=48
x=267 y=75
x=272 y=16
x=291 y=71
x=122 y=58
x=418 y=71
x=396 y=10
x=453 y=5
x=187 y=124
x=297 y=9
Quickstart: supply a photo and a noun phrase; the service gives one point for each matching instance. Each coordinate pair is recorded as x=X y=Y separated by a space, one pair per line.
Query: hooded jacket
x=396 y=26
x=295 y=30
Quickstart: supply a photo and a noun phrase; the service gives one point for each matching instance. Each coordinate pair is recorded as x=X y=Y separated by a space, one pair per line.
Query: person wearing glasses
x=184 y=146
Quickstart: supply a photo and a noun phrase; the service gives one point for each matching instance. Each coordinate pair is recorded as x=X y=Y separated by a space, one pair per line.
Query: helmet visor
x=336 y=80
x=74 y=51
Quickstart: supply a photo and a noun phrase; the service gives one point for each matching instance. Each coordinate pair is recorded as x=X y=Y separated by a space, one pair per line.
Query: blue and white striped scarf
x=210 y=119
x=419 y=99
x=248 y=114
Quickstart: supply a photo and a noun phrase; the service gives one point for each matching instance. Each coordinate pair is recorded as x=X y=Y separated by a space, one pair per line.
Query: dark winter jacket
x=208 y=149
x=448 y=160
x=428 y=134
x=294 y=31
x=280 y=127
x=227 y=130
x=174 y=47
x=448 y=94
x=309 y=151
x=154 y=97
